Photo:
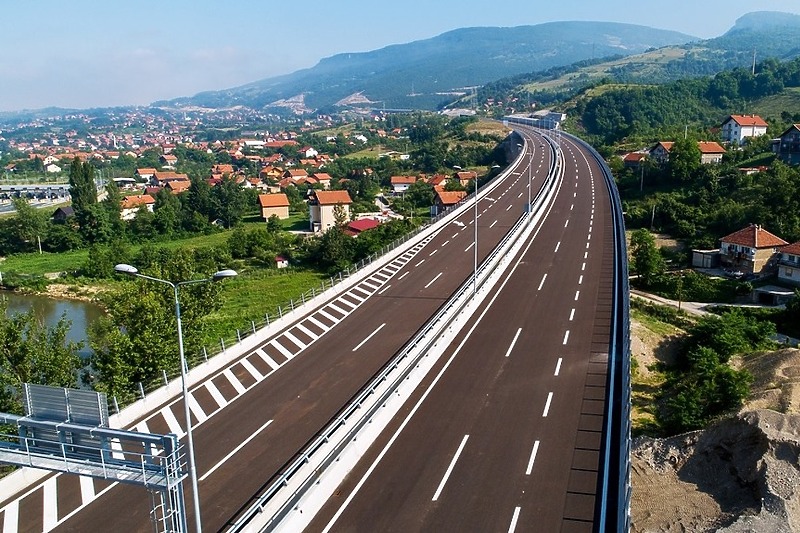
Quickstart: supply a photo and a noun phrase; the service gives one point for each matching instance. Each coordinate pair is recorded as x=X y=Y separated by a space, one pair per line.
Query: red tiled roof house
x=749 y=249
x=789 y=264
x=274 y=204
x=324 y=206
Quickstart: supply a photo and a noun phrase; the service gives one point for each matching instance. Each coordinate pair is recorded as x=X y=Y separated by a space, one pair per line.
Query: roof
x=178 y=186
x=754 y=236
x=273 y=200
x=467 y=175
x=634 y=156
x=793 y=127
x=793 y=248
x=450 y=197
x=363 y=224
x=131 y=202
x=747 y=120
x=710 y=147
x=403 y=180
x=667 y=145
x=332 y=197
x=322 y=176
x=296 y=173
x=145 y=171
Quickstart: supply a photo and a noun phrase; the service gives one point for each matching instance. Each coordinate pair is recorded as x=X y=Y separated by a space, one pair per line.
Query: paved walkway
x=699 y=308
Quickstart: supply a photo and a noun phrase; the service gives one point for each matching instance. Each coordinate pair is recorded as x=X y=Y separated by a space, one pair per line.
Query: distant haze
x=84 y=53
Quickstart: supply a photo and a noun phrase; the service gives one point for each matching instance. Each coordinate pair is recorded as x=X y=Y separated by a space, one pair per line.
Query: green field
x=773 y=106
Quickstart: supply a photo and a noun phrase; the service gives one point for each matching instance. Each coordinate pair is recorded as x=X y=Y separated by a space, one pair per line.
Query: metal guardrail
x=354 y=406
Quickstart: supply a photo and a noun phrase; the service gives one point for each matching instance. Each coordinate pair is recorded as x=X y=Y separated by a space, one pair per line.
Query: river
x=50 y=310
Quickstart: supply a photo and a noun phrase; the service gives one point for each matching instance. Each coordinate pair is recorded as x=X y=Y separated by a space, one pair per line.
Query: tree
x=30 y=352
x=81 y=186
x=230 y=202
x=28 y=225
x=684 y=159
x=646 y=257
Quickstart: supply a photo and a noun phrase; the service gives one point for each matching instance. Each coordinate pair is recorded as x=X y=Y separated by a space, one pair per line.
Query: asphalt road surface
x=253 y=417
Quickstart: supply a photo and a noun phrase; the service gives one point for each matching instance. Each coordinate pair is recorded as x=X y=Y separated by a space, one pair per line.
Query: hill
x=765 y=34
x=423 y=74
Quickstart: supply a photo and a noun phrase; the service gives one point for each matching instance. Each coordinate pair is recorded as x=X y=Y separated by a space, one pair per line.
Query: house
x=736 y=128
x=789 y=263
x=62 y=214
x=274 y=204
x=130 y=205
x=438 y=181
x=308 y=152
x=324 y=179
x=634 y=160
x=295 y=173
x=52 y=168
x=281 y=262
x=400 y=184
x=222 y=169
x=446 y=199
x=465 y=176
x=178 y=186
x=749 y=250
x=145 y=174
x=168 y=160
x=787 y=146
x=324 y=207
x=162 y=178
x=710 y=152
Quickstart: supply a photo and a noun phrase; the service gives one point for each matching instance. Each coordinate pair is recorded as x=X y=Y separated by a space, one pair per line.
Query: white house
x=736 y=128
x=52 y=168
x=400 y=184
x=789 y=264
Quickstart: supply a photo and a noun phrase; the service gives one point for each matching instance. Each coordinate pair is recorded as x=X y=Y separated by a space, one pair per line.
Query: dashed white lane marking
x=587 y=245
x=558 y=245
x=583 y=267
x=11 y=517
x=338 y=309
x=558 y=366
x=386 y=288
x=404 y=275
x=450 y=468
x=532 y=459
x=433 y=252
x=300 y=344
x=195 y=408
x=235 y=450
x=317 y=323
x=418 y=264
x=547 y=405
x=445 y=243
x=252 y=370
x=513 y=526
x=362 y=343
x=541 y=283
x=311 y=334
x=577 y=295
x=585 y=255
x=217 y=395
x=278 y=346
x=519 y=195
x=566 y=337
x=172 y=422
x=433 y=280
x=566 y=223
x=580 y=280
x=87 y=489
x=492 y=224
x=572 y=207
x=509 y=207
x=574 y=195
x=454 y=235
x=470 y=246
x=513 y=342
x=571 y=315
x=49 y=504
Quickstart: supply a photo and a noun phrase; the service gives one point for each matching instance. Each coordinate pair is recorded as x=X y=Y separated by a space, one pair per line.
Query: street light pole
x=218 y=276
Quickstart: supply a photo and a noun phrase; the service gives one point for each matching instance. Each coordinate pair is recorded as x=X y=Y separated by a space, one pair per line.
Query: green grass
x=773 y=106
x=654 y=324
x=295 y=222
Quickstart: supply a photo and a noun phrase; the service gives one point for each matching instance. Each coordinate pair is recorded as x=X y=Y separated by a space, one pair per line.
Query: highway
x=255 y=415
x=505 y=434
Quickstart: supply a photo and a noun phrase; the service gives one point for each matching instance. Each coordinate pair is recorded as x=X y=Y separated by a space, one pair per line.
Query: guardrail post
x=141 y=390
x=252 y=323
x=280 y=312
x=164 y=375
x=116 y=404
x=303 y=298
x=238 y=335
x=205 y=354
x=266 y=317
x=291 y=304
x=222 y=343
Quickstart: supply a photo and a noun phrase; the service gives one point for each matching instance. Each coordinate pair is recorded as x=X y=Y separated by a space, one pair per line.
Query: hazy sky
x=97 y=53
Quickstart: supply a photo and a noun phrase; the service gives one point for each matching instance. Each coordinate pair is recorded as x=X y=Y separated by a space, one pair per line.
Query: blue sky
x=92 y=53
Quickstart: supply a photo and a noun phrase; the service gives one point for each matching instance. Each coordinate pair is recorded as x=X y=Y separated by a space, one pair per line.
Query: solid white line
x=418 y=264
x=362 y=343
x=311 y=334
x=450 y=468
x=11 y=517
x=513 y=342
x=195 y=408
x=577 y=295
x=234 y=381
x=470 y=246
x=404 y=275
x=532 y=459
x=513 y=526
x=233 y=452
x=541 y=283
x=558 y=245
x=278 y=346
x=386 y=288
x=492 y=224
x=434 y=279
x=217 y=395
x=49 y=504
x=338 y=309
x=300 y=344
x=558 y=366
x=314 y=320
x=250 y=368
x=370 y=285
x=547 y=405
x=172 y=422
x=566 y=336
x=571 y=315
x=87 y=489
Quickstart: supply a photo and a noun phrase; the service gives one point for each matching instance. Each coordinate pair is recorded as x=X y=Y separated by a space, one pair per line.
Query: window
x=789 y=272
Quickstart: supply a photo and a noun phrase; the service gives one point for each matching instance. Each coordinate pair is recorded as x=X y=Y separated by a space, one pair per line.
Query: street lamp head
x=222 y=274
x=457 y=167
x=122 y=268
